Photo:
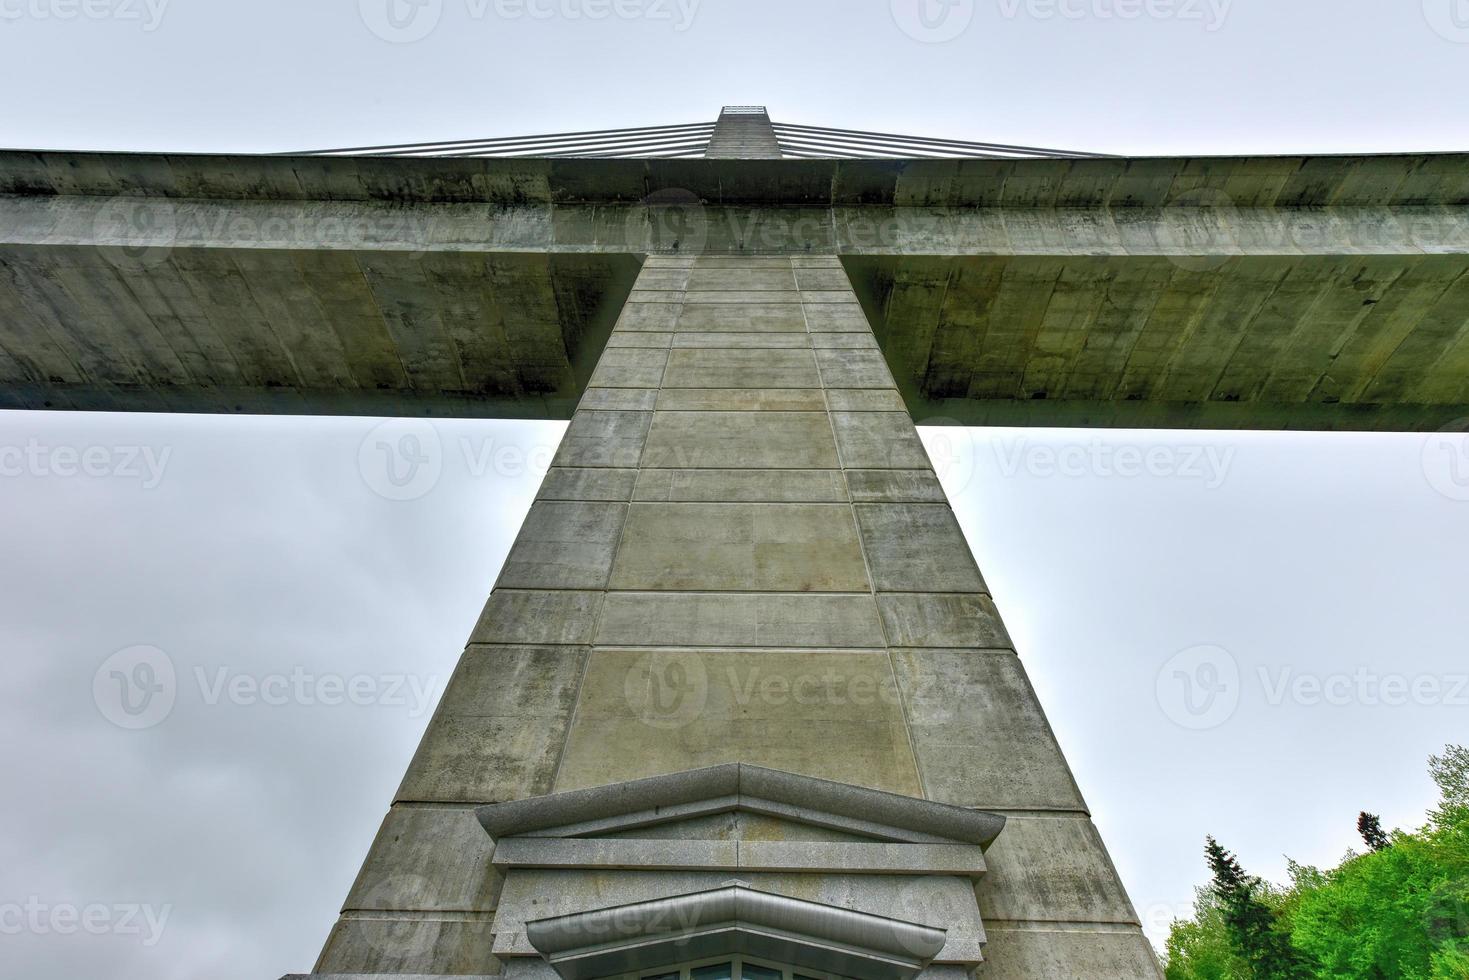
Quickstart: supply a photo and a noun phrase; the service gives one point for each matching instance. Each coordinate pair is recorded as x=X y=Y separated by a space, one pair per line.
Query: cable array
x=821 y=142
x=651 y=141
x=691 y=141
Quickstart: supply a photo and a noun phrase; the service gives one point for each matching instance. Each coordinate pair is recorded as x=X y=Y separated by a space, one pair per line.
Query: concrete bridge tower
x=740 y=705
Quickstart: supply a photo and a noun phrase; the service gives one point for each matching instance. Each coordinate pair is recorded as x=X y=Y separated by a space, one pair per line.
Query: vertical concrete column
x=741 y=554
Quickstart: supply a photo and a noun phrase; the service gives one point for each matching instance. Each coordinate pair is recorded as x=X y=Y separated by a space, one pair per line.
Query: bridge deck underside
x=1357 y=342
x=1256 y=342
x=304 y=331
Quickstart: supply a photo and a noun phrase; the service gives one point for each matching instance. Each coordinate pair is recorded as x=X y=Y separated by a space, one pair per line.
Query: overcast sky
x=1256 y=639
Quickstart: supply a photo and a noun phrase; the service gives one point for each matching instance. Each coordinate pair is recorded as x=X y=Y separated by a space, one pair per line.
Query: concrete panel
x=653 y=297
x=684 y=619
x=942 y=620
x=863 y=399
x=566 y=483
x=829 y=318
x=741 y=369
x=537 y=617
x=1075 y=953
x=895 y=486
x=661 y=277
x=619 y=400
x=1052 y=869
x=917 y=548
x=751 y=486
x=830 y=278
x=879 y=440
x=428 y=859
x=742 y=262
x=654 y=339
x=739 y=547
x=647 y=317
x=741 y=297
x=741 y=400
x=981 y=737
x=725 y=440
x=645 y=714
x=424 y=946
x=844 y=341
x=564 y=545
x=500 y=727
x=853 y=368
x=741 y=278
x=733 y=339
x=629 y=368
x=612 y=439
x=758 y=316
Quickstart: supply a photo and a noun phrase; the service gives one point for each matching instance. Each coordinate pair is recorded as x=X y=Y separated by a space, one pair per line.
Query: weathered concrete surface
x=1279 y=182
x=743 y=134
x=742 y=554
x=1322 y=292
x=1265 y=342
x=303 y=331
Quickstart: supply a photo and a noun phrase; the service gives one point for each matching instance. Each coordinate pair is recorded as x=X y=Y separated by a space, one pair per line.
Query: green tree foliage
x=1199 y=948
x=1398 y=912
x=1369 y=825
x=1251 y=925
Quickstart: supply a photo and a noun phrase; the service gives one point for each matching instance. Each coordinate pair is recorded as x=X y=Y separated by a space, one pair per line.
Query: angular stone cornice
x=733 y=920
x=736 y=786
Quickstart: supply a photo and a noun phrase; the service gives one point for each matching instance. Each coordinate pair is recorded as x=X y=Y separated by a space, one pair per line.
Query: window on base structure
x=728 y=968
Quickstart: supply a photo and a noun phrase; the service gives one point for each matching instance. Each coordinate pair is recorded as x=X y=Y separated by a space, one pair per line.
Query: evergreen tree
x=1248 y=922
x=1370 y=827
